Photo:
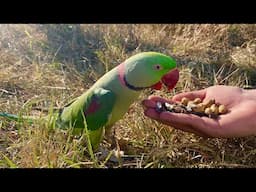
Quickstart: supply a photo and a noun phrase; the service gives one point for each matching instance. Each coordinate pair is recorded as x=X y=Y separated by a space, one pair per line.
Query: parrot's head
x=149 y=69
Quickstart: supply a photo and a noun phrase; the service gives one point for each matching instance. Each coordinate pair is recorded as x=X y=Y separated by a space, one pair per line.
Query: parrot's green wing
x=99 y=108
x=96 y=106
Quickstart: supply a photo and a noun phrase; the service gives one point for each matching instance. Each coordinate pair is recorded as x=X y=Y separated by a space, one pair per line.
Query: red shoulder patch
x=93 y=107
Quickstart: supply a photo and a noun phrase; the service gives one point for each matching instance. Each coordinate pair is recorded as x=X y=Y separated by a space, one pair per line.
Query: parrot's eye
x=157 y=67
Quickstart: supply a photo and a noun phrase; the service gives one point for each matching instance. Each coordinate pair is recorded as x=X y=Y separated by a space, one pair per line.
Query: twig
x=229 y=75
x=234 y=165
x=8 y=92
x=51 y=87
x=45 y=109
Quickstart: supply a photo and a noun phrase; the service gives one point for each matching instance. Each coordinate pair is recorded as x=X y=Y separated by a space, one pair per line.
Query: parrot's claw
x=115 y=156
x=118 y=153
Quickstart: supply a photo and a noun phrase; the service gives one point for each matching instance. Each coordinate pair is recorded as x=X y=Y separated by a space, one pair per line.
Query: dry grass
x=47 y=65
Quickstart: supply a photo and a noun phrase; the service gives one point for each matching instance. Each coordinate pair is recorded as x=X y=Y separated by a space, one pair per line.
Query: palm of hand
x=239 y=121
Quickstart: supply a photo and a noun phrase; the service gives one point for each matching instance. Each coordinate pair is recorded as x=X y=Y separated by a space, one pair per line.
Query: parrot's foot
x=117 y=153
x=114 y=155
x=112 y=142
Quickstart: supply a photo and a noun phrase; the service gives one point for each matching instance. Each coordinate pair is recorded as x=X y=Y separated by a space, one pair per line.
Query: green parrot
x=111 y=96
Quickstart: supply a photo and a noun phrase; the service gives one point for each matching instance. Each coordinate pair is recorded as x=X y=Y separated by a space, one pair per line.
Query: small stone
x=159 y=107
x=191 y=104
x=199 y=108
x=209 y=103
x=169 y=106
x=197 y=100
x=222 y=109
x=179 y=109
x=215 y=109
x=189 y=109
x=208 y=111
x=184 y=101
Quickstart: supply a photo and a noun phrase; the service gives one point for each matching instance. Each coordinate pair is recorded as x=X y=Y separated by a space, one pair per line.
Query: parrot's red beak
x=169 y=80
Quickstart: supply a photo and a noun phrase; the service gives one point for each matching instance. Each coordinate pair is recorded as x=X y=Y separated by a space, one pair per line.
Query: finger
x=160 y=99
x=149 y=103
x=190 y=95
x=182 y=127
x=190 y=130
x=176 y=124
x=157 y=98
x=203 y=125
x=151 y=113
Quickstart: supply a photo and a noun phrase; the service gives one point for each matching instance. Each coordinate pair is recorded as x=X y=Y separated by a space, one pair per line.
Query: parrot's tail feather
x=14 y=117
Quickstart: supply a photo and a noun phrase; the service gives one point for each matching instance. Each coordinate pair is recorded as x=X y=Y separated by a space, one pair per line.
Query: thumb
x=190 y=95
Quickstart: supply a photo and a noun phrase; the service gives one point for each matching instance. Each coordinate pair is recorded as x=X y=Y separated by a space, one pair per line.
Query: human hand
x=238 y=122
